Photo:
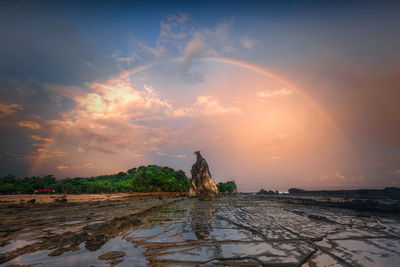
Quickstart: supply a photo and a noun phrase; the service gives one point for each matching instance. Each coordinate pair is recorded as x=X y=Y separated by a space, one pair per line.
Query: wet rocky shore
x=228 y=230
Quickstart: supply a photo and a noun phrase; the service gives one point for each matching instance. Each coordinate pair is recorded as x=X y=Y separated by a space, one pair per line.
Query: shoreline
x=78 y=198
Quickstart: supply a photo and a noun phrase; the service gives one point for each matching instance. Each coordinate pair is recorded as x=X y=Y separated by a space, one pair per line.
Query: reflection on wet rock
x=235 y=230
x=201 y=217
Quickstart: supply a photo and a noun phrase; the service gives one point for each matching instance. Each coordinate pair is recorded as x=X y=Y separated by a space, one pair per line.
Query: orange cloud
x=9 y=109
x=39 y=138
x=30 y=124
x=62 y=167
x=171 y=155
x=339 y=176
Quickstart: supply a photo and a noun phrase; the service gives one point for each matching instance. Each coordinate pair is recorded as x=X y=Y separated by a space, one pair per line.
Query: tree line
x=151 y=178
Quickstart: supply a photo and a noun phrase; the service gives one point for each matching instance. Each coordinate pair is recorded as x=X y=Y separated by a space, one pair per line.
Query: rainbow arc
x=46 y=146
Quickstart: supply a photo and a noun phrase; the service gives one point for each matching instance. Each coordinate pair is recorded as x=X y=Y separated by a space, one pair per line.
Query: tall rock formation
x=201 y=182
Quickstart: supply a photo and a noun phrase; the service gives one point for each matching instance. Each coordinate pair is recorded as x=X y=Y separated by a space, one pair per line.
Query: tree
x=229 y=186
x=132 y=171
x=121 y=174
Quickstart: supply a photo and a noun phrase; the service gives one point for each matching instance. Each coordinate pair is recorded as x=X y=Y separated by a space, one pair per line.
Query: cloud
x=42 y=139
x=30 y=124
x=339 y=176
x=209 y=105
x=350 y=179
x=88 y=64
x=121 y=100
x=247 y=42
x=208 y=43
x=276 y=93
x=62 y=167
x=175 y=31
x=9 y=109
x=115 y=116
x=171 y=155
x=180 y=38
x=197 y=48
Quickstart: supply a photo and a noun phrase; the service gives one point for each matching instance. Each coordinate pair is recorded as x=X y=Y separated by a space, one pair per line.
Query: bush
x=229 y=186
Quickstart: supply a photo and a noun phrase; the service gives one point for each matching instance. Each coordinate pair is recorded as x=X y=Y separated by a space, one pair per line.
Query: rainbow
x=45 y=147
x=280 y=79
x=251 y=67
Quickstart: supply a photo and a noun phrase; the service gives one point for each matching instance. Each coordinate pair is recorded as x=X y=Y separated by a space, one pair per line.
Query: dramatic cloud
x=115 y=117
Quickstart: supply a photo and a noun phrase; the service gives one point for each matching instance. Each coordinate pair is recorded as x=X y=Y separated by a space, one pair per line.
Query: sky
x=275 y=94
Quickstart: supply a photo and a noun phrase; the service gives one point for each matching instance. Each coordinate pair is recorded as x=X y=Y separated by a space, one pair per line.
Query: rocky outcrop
x=201 y=183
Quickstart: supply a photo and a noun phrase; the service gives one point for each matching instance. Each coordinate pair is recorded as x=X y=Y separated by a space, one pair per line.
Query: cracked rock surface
x=234 y=230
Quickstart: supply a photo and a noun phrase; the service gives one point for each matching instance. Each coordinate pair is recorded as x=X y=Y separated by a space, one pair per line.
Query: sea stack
x=201 y=183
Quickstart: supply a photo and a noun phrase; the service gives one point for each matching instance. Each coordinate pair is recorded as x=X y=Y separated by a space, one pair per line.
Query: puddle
x=15 y=244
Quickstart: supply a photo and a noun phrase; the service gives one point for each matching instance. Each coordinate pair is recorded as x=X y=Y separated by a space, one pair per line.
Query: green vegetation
x=151 y=178
x=229 y=186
